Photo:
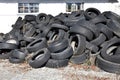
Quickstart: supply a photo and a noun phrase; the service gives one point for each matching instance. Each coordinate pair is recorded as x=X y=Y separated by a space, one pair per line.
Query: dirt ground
x=23 y=71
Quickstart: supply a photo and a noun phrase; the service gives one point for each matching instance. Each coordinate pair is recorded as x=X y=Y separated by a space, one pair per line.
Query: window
x=74 y=7
x=28 y=7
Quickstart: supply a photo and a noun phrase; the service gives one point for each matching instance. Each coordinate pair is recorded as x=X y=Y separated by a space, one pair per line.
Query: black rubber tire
x=42 y=18
x=30 y=32
x=28 y=39
x=113 y=58
x=23 y=43
x=30 y=17
x=91 y=13
x=99 y=19
x=45 y=31
x=17 y=53
x=50 y=33
x=59 y=26
x=56 y=35
x=19 y=23
x=58 y=45
x=37 y=26
x=15 y=60
x=57 y=63
x=79 y=59
x=26 y=27
x=17 y=56
x=98 y=41
x=5 y=54
x=114 y=26
x=90 y=26
x=12 y=34
x=93 y=48
x=109 y=41
x=107 y=65
x=105 y=30
x=65 y=54
x=40 y=58
x=117 y=52
x=8 y=46
x=37 y=44
x=111 y=15
x=80 y=43
x=77 y=15
x=82 y=31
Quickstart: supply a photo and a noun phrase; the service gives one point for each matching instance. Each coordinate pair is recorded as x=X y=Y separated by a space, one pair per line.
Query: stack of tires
x=54 y=41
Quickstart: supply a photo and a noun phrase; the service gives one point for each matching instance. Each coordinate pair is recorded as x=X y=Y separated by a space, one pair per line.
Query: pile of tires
x=54 y=41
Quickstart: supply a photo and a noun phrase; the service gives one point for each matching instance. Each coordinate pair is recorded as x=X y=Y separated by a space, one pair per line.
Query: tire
x=28 y=39
x=44 y=31
x=111 y=15
x=9 y=46
x=30 y=32
x=26 y=27
x=93 y=48
x=17 y=56
x=56 y=35
x=59 y=26
x=58 y=45
x=40 y=58
x=99 y=19
x=92 y=27
x=57 y=63
x=10 y=35
x=105 y=30
x=15 y=60
x=114 y=26
x=30 y=17
x=79 y=45
x=98 y=41
x=77 y=15
x=65 y=54
x=108 y=42
x=5 y=54
x=37 y=44
x=42 y=18
x=107 y=66
x=112 y=58
x=19 y=23
x=79 y=59
x=117 y=52
x=50 y=33
x=91 y=13
x=82 y=31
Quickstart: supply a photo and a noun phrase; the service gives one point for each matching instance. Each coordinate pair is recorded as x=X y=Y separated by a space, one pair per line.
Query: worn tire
x=57 y=63
x=40 y=58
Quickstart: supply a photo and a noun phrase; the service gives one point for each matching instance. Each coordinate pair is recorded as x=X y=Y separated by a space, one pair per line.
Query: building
x=11 y=9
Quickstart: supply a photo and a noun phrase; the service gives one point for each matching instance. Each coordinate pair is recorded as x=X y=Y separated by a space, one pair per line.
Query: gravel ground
x=23 y=71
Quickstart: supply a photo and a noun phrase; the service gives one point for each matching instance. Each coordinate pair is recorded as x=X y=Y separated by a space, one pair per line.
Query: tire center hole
x=74 y=43
x=39 y=55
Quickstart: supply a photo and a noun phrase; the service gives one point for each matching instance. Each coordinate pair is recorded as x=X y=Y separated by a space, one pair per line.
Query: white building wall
x=9 y=11
x=7 y=16
x=52 y=8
